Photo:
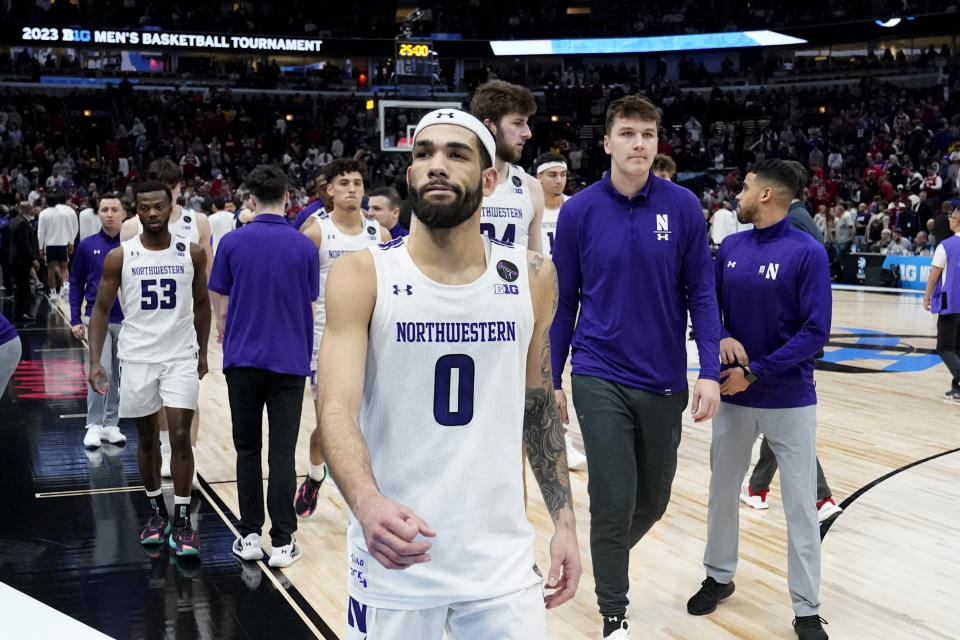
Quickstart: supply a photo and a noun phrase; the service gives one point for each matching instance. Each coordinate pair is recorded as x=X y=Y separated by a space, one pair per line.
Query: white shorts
x=520 y=615
x=317 y=337
x=145 y=387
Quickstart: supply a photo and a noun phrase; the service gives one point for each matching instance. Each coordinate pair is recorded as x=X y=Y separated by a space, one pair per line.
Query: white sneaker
x=285 y=556
x=248 y=548
x=751 y=499
x=112 y=435
x=165 y=461
x=576 y=461
x=623 y=633
x=92 y=439
x=828 y=509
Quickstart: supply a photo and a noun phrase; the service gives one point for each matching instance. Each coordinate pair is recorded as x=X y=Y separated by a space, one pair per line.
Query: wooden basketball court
x=888 y=442
x=890 y=561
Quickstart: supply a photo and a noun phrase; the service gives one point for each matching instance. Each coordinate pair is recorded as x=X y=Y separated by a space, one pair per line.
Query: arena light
x=370 y=105
x=554 y=118
x=87 y=113
x=892 y=22
x=289 y=117
x=651 y=44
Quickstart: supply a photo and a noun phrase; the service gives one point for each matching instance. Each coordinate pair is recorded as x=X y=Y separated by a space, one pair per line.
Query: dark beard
x=437 y=215
x=507 y=153
x=743 y=217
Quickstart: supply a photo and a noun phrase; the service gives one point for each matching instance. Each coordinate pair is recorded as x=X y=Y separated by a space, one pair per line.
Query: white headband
x=461 y=119
x=551 y=165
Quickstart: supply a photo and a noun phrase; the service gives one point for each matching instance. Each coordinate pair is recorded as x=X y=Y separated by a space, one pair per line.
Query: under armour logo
x=663 y=236
x=96 y=252
x=731 y=263
x=408 y=289
x=448 y=114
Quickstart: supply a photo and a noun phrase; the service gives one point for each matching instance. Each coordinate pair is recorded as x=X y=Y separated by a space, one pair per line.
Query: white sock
x=154 y=494
x=317 y=472
x=164 y=438
x=181 y=506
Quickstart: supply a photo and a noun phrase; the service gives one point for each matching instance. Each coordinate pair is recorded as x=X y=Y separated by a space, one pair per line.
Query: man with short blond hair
x=629 y=385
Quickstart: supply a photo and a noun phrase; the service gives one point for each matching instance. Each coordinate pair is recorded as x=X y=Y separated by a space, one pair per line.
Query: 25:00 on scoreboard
x=413 y=50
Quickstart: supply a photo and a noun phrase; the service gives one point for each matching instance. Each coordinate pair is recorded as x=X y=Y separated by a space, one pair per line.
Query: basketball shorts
x=317 y=337
x=56 y=253
x=520 y=615
x=145 y=387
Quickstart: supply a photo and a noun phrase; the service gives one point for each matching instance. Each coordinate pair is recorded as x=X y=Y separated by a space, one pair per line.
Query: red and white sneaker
x=754 y=499
x=827 y=508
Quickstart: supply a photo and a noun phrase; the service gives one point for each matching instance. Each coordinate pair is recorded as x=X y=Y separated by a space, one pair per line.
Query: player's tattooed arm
x=542 y=427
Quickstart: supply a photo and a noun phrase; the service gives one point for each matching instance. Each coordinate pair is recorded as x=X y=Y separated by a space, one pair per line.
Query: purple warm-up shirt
x=633 y=267
x=774 y=290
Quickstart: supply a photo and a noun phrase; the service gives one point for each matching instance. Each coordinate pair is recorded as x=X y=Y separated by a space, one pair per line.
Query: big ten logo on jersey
x=358 y=570
x=506 y=289
x=663 y=227
x=769 y=271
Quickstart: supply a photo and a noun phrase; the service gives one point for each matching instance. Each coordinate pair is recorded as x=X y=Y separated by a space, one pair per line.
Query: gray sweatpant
x=10 y=353
x=102 y=410
x=792 y=436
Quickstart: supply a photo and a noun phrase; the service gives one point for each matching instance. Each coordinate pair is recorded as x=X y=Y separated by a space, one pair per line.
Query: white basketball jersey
x=442 y=416
x=335 y=244
x=548 y=227
x=185 y=225
x=506 y=215
x=157 y=290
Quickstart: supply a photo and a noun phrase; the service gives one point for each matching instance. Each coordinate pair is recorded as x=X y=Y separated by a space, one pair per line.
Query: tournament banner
x=914 y=270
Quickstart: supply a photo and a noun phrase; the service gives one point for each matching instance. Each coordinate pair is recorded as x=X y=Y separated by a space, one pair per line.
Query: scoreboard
x=416 y=61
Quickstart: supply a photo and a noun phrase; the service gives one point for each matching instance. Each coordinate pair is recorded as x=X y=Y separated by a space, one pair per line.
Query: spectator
x=846 y=228
x=221 y=222
x=878 y=223
x=664 y=167
x=24 y=257
x=724 y=223
x=940 y=226
x=57 y=228
x=799 y=215
x=384 y=207
x=882 y=245
x=89 y=220
x=922 y=246
x=899 y=244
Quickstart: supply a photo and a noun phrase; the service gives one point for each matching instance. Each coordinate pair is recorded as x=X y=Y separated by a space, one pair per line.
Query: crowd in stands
x=490 y=19
x=885 y=156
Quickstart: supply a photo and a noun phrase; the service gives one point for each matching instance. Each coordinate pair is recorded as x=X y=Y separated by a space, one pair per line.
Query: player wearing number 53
x=438 y=538
x=162 y=349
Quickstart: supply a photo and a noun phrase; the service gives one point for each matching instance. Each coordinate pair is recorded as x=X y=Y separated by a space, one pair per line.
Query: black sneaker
x=810 y=628
x=711 y=592
x=305 y=501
